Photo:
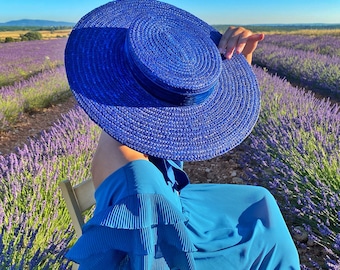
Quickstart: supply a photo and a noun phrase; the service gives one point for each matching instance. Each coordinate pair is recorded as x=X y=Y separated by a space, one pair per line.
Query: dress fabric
x=149 y=217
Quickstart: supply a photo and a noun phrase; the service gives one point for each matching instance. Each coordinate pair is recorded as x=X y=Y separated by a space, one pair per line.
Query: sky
x=239 y=12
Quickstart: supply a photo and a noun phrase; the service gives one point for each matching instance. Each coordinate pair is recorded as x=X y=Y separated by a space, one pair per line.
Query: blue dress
x=149 y=217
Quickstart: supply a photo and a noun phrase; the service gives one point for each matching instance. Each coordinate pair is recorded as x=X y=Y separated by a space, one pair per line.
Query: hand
x=239 y=40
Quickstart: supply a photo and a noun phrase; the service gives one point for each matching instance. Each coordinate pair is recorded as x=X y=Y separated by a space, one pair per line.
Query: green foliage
x=32 y=35
x=32 y=28
x=9 y=39
x=41 y=91
x=30 y=196
x=10 y=111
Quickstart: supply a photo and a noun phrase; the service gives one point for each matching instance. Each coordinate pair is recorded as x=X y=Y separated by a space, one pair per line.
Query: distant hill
x=36 y=23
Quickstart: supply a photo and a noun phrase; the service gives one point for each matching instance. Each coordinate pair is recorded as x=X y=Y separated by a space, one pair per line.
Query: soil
x=223 y=169
x=30 y=125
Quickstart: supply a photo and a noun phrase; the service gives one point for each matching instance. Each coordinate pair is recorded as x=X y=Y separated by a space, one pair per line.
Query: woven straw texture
x=151 y=76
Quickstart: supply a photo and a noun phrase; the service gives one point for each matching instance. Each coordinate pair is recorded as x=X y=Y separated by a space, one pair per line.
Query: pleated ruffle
x=140 y=231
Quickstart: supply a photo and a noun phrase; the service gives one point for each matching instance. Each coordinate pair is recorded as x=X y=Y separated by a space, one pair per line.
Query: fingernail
x=228 y=55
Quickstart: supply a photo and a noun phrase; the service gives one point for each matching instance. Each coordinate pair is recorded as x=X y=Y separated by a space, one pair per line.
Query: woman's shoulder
x=110 y=156
x=134 y=175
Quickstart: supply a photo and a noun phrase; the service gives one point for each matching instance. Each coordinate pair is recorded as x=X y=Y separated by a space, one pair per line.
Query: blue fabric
x=142 y=222
x=172 y=171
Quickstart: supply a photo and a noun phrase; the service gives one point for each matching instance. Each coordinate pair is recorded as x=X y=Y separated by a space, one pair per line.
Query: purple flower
x=307 y=67
x=295 y=153
x=337 y=242
x=21 y=60
x=29 y=181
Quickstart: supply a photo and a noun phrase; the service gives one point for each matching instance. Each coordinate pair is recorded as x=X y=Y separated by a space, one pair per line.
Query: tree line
x=32 y=28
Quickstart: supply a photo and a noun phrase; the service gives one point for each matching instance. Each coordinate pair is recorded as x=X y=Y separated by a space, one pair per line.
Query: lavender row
x=19 y=60
x=322 y=44
x=37 y=92
x=36 y=228
x=294 y=151
x=309 y=68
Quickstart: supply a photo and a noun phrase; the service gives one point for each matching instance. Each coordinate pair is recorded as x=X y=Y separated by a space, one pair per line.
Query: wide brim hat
x=151 y=76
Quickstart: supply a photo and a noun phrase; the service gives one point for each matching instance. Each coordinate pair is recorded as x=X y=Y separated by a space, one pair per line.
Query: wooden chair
x=78 y=198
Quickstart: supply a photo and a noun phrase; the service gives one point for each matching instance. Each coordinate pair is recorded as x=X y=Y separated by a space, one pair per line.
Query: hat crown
x=134 y=76
x=172 y=59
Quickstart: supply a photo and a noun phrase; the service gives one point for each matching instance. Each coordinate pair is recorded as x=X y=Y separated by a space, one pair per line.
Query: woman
x=152 y=77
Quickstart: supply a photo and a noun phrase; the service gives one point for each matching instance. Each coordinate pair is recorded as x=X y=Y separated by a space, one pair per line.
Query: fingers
x=256 y=37
x=239 y=40
x=235 y=38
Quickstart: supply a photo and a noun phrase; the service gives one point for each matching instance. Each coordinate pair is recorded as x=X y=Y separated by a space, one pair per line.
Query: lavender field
x=39 y=91
x=322 y=44
x=35 y=224
x=32 y=76
x=293 y=151
x=19 y=61
x=311 y=61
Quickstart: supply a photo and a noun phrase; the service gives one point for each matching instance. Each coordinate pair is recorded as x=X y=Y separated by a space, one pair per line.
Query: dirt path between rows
x=223 y=169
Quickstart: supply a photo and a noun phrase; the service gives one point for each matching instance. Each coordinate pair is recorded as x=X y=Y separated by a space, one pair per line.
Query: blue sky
x=212 y=11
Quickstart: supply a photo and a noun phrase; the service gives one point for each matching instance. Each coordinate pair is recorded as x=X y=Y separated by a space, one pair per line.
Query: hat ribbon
x=179 y=97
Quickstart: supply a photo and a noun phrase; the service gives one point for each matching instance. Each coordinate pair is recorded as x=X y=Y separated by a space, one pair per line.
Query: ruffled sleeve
x=137 y=224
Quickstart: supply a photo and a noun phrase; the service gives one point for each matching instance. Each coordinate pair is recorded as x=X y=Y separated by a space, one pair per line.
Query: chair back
x=78 y=199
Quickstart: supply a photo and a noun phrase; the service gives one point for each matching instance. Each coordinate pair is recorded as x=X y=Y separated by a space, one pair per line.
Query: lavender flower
x=21 y=60
x=337 y=242
x=294 y=151
x=309 y=68
x=322 y=44
x=38 y=91
x=31 y=196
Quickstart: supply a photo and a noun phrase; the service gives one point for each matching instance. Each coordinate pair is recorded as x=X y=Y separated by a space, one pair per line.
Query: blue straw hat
x=151 y=76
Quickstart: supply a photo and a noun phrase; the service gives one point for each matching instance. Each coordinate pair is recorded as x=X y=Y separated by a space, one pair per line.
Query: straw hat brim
x=104 y=87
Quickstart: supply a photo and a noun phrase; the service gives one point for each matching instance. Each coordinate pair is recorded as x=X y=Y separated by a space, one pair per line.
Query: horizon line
x=271 y=23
